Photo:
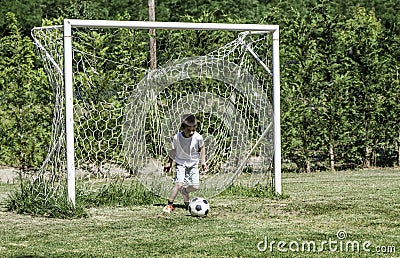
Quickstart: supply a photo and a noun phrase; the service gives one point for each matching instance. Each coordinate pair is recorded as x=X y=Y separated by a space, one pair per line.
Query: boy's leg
x=179 y=180
x=194 y=180
x=186 y=198
x=180 y=176
x=194 y=184
x=174 y=192
x=192 y=188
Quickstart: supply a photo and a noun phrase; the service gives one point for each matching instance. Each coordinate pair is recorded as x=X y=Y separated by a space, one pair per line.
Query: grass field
x=341 y=214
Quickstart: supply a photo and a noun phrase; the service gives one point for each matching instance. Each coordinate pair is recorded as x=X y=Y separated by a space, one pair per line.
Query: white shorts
x=187 y=175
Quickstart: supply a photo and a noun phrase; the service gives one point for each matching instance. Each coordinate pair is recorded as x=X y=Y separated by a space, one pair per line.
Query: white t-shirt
x=187 y=149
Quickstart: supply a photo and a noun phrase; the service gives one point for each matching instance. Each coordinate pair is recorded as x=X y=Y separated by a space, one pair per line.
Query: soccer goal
x=114 y=117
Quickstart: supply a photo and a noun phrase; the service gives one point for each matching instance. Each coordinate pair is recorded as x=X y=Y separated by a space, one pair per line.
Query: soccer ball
x=199 y=207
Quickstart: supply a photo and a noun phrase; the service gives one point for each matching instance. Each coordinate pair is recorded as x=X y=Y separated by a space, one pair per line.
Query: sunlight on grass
x=361 y=205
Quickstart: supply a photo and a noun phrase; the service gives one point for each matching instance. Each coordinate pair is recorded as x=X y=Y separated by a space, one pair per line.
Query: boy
x=187 y=150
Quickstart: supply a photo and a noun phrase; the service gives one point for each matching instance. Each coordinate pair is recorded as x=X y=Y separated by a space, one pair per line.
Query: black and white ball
x=199 y=207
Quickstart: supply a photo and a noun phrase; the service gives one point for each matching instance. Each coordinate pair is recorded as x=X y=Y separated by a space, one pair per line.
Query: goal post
x=68 y=24
x=277 y=111
x=243 y=77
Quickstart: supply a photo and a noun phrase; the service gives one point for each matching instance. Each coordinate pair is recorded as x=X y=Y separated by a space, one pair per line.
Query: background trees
x=340 y=73
x=25 y=106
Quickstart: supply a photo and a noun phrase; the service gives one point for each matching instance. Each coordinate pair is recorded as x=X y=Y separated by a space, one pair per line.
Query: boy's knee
x=178 y=186
x=196 y=187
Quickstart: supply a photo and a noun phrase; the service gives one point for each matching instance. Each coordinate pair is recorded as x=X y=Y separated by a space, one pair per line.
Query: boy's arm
x=203 y=158
x=168 y=165
x=171 y=157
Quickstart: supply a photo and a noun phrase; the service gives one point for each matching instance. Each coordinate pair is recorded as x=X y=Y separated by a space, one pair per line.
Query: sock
x=186 y=205
x=170 y=203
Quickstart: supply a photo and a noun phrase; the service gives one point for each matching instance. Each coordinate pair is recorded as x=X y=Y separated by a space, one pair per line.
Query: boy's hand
x=204 y=168
x=168 y=165
x=167 y=168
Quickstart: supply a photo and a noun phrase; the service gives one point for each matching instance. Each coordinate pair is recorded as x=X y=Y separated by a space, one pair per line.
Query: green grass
x=315 y=207
x=41 y=199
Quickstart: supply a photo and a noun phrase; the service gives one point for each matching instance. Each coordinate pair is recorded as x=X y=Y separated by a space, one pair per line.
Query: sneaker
x=185 y=194
x=168 y=208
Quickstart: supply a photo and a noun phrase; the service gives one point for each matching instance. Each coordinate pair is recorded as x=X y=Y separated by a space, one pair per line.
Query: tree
x=152 y=40
x=25 y=99
x=331 y=87
x=390 y=82
x=301 y=58
x=362 y=37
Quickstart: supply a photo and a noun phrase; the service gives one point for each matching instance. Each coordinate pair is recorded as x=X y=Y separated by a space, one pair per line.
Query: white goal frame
x=68 y=80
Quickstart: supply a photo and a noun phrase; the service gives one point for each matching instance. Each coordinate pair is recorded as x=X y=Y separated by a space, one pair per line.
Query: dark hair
x=188 y=120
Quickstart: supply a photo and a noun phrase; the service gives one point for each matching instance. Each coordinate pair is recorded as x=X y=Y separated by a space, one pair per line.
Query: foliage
x=30 y=199
x=391 y=93
x=366 y=64
x=30 y=13
x=25 y=99
x=340 y=66
x=259 y=191
x=40 y=198
x=300 y=94
x=117 y=193
x=334 y=109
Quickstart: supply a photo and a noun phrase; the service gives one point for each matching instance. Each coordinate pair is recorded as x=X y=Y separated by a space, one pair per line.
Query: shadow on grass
x=176 y=206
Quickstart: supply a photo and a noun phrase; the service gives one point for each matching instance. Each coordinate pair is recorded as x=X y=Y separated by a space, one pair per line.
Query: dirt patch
x=8 y=175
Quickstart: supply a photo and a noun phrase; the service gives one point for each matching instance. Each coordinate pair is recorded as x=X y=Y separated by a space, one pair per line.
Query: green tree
x=362 y=37
x=390 y=82
x=300 y=62
x=328 y=91
x=25 y=101
x=331 y=105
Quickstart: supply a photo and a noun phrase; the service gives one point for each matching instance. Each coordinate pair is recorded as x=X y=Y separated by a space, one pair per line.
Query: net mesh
x=125 y=115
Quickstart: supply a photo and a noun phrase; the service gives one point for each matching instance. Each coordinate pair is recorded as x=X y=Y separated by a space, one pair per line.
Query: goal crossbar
x=68 y=79
x=170 y=25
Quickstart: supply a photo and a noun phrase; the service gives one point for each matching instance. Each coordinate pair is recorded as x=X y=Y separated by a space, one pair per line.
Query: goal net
x=114 y=117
